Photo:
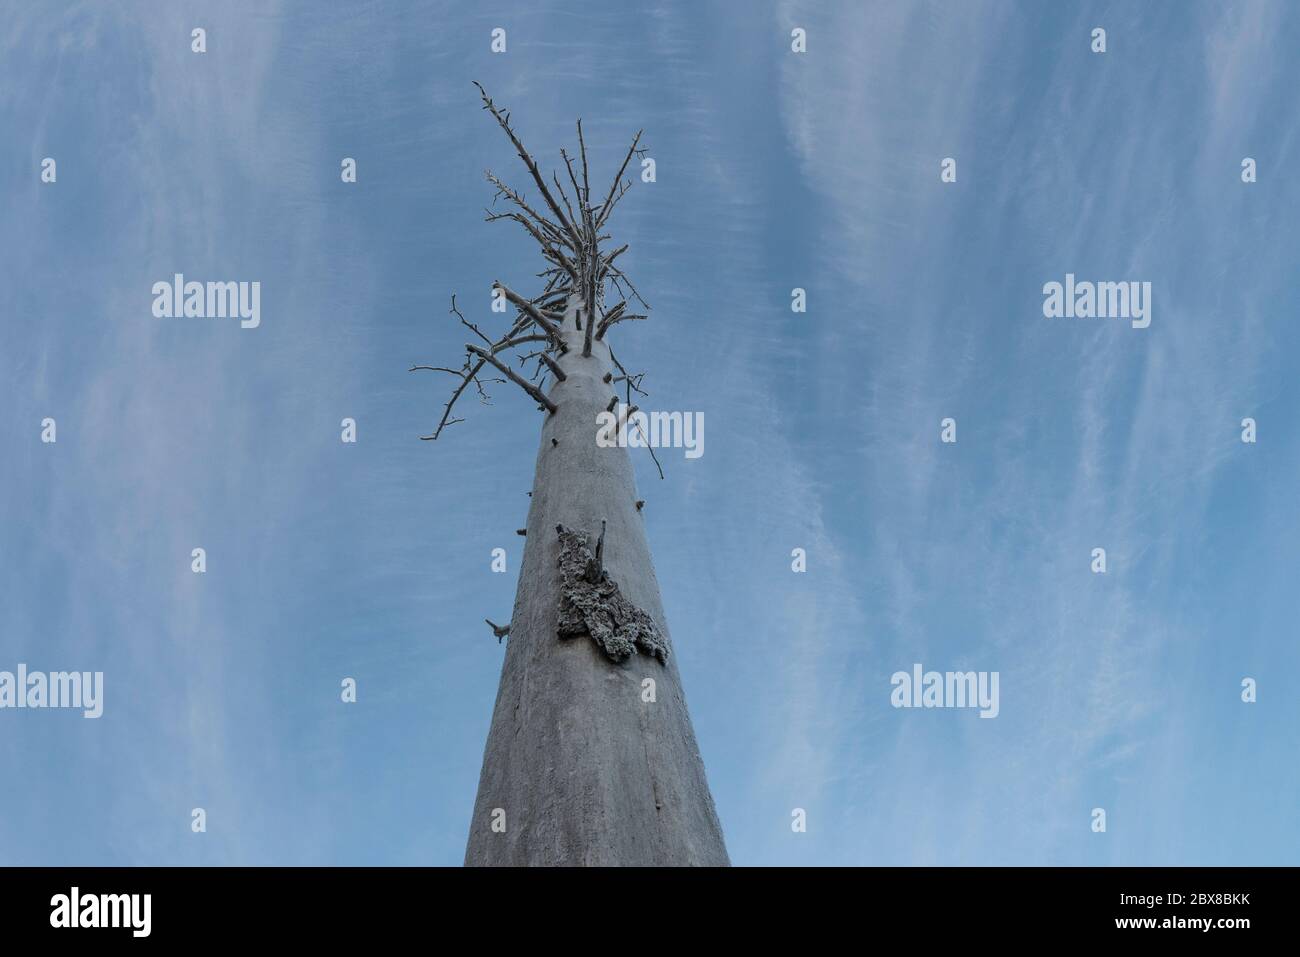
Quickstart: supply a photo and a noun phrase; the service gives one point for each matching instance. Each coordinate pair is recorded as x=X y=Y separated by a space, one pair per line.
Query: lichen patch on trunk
x=591 y=604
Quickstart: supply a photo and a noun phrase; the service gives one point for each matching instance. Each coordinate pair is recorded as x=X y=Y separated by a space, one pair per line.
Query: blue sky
x=774 y=170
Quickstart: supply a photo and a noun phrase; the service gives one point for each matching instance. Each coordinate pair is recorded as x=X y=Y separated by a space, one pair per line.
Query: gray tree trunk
x=582 y=769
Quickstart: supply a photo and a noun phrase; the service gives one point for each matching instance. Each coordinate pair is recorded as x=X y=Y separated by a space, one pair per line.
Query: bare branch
x=611 y=257
x=610 y=318
x=606 y=207
x=651 y=450
x=633 y=384
x=514 y=377
x=586 y=183
x=482 y=393
x=553 y=366
x=518 y=341
x=577 y=190
x=619 y=273
x=621 y=317
x=446 y=413
x=466 y=323
x=504 y=122
x=533 y=313
x=554 y=253
x=565 y=196
x=445 y=422
x=558 y=295
x=591 y=317
x=629 y=379
x=557 y=234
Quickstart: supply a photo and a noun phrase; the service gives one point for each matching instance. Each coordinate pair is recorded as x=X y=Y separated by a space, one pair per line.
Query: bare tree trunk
x=591 y=758
x=579 y=768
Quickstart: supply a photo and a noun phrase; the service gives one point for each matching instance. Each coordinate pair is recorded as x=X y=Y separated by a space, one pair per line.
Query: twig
x=605 y=210
x=510 y=374
x=533 y=312
x=466 y=323
x=446 y=412
x=528 y=162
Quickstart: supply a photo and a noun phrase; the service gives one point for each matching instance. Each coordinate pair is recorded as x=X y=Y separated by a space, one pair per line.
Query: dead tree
x=591 y=758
